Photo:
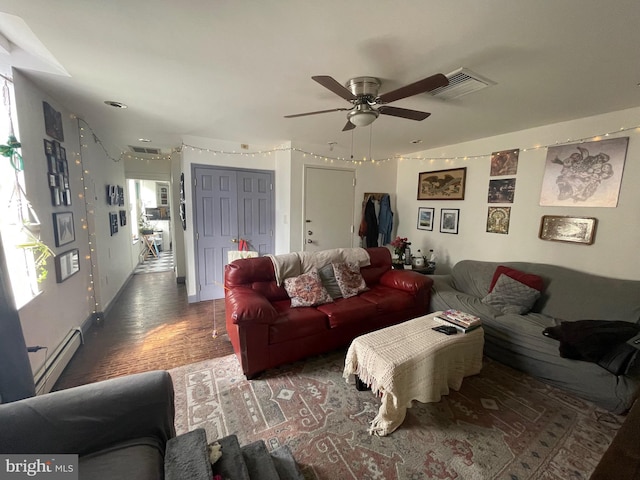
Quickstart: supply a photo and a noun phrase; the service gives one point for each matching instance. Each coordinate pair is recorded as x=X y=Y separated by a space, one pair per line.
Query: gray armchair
x=119 y=427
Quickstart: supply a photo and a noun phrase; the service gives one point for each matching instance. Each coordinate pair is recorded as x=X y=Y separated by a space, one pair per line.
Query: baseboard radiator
x=55 y=363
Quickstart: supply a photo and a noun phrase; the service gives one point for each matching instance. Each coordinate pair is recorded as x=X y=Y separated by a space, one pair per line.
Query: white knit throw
x=410 y=361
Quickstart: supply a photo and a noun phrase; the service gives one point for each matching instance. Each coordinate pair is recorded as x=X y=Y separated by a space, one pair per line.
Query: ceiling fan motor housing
x=364 y=87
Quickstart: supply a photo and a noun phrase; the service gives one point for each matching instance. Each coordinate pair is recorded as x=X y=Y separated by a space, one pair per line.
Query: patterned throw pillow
x=511 y=296
x=349 y=279
x=306 y=290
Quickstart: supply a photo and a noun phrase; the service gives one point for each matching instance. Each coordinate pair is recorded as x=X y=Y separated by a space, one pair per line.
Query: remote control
x=447 y=330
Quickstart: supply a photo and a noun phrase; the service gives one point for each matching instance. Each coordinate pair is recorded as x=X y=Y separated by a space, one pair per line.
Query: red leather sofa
x=266 y=332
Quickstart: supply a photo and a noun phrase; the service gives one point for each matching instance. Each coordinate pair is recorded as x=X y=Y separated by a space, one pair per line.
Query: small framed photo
x=48 y=147
x=63 y=228
x=67 y=264
x=568 y=229
x=123 y=217
x=449 y=219
x=504 y=162
x=425 y=218
x=113 y=223
x=53 y=163
x=442 y=184
x=498 y=219
x=53 y=180
x=502 y=190
x=55 y=196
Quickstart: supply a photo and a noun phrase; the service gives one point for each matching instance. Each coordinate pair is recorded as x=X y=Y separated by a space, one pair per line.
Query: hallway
x=151 y=326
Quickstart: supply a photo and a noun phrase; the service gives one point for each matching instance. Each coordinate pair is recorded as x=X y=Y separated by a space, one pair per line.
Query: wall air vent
x=461 y=82
x=149 y=150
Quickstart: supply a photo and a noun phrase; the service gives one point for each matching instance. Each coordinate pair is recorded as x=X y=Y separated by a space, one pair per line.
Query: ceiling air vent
x=461 y=82
x=150 y=150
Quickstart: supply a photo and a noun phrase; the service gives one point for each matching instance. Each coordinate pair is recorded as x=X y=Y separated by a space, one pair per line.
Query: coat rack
x=374 y=196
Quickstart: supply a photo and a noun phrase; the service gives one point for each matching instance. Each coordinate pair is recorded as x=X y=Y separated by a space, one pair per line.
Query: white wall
x=49 y=317
x=288 y=165
x=614 y=252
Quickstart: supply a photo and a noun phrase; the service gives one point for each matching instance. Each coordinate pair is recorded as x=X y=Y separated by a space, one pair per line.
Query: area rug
x=502 y=424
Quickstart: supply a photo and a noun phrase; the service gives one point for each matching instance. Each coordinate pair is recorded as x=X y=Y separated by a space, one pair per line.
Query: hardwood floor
x=151 y=326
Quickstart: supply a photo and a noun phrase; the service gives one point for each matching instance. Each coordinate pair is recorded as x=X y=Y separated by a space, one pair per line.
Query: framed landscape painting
x=449 y=219
x=442 y=184
x=425 y=218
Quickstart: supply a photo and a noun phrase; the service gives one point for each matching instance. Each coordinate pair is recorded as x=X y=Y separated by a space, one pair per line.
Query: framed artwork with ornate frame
x=442 y=184
x=449 y=220
x=568 y=229
x=498 y=219
x=425 y=218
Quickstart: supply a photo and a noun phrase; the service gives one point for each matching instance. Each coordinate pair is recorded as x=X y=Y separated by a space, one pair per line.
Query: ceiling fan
x=362 y=92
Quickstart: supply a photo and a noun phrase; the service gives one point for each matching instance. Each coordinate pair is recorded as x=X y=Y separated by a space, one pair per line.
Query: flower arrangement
x=399 y=245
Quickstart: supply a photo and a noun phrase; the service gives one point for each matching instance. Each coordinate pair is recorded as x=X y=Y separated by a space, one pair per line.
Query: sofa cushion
x=296 y=323
x=139 y=458
x=329 y=281
x=388 y=299
x=511 y=296
x=529 y=279
x=349 y=279
x=348 y=311
x=306 y=290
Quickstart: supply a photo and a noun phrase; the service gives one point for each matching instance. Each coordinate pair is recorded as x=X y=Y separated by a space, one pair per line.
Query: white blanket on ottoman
x=410 y=361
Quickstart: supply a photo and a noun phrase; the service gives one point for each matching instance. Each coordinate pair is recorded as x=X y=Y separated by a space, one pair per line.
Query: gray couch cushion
x=511 y=296
x=141 y=459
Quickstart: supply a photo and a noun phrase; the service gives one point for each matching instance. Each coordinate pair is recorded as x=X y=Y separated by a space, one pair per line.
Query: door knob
x=234 y=240
x=309 y=241
x=309 y=232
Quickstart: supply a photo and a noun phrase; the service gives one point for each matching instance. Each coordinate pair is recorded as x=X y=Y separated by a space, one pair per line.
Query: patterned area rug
x=502 y=424
x=163 y=263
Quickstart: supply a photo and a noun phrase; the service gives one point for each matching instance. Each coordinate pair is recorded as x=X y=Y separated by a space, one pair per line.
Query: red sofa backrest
x=258 y=274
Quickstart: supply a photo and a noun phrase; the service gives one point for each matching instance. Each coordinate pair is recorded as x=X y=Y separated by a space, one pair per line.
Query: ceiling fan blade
x=315 y=113
x=425 y=85
x=332 y=84
x=403 y=112
x=348 y=126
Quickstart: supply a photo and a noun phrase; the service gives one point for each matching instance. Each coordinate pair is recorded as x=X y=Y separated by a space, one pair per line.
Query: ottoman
x=410 y=361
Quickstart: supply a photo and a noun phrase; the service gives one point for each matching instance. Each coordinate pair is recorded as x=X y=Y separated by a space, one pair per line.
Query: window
x=19 y=224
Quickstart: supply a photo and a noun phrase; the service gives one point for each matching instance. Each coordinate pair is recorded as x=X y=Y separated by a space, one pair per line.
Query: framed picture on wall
x=568 y=229
x=498 y=219
x=63 y=228
x=449 y=219
x=442 y=184
x=425 y=218
x=113 y=223
x=67 y=264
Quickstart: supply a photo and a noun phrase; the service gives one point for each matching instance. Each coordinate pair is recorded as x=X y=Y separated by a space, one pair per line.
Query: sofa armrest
x=244 y=306
x=90 y=417
x=411 y=282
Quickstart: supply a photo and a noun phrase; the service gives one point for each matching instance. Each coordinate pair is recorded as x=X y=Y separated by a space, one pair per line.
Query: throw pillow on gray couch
x=511 y=296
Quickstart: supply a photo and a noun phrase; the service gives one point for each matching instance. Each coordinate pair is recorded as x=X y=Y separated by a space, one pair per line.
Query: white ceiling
x=231 y=69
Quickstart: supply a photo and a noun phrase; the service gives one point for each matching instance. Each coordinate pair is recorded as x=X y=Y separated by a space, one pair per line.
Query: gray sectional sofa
x=517 y=340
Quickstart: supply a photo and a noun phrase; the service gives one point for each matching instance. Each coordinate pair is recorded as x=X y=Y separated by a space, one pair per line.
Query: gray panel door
x=229 y=205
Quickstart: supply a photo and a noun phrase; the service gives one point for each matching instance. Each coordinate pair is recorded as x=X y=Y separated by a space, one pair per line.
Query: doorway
x=230 y=205
x=329 y=196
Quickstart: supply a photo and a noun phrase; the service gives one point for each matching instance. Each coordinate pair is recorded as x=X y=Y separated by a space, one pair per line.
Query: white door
x=329 y=196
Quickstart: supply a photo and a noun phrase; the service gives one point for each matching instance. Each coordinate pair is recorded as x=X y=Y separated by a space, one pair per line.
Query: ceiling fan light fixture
x=362 y=115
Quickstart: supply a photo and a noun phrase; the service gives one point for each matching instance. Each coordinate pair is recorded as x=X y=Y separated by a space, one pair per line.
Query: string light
x=448 y=159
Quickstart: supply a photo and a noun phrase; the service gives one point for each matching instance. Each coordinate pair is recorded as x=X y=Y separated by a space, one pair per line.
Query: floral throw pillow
x=306 y=290
x=349 y=279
